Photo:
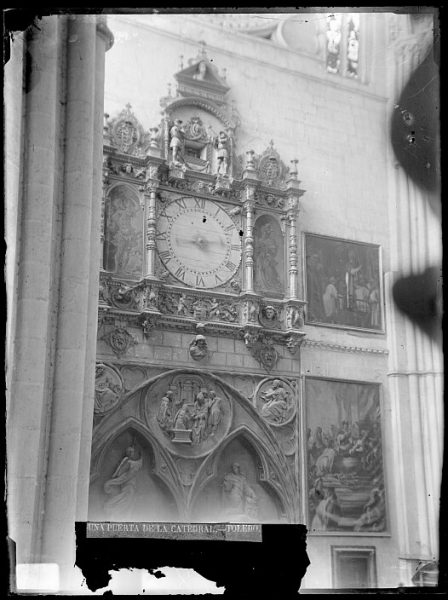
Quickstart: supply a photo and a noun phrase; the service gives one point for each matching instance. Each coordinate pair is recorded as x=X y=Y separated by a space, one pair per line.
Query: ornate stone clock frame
x=216 y=258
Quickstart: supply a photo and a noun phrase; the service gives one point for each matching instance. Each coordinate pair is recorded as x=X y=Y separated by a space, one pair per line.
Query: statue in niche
x=121 y=487
x=177 y=143
x=198 y=347
x=201 y=71
x=238 y=499
x=222 y=144
x=276 y=403
x=266 y=265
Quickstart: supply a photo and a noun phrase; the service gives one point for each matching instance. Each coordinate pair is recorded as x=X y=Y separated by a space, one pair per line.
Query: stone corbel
x=261 y=346
x=148 y=322
x=294 y=340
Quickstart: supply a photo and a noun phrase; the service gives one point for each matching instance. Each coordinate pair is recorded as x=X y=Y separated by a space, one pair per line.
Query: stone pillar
x=52 y=378
x=294 y=193
x=415 y=361
x=30 y=354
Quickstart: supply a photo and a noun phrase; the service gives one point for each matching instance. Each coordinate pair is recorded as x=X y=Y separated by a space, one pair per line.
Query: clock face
x=198 y=242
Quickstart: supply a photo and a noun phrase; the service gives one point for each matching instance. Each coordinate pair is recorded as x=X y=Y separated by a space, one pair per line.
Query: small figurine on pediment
x=222 y=144
x=177 y=143
x=201 y=71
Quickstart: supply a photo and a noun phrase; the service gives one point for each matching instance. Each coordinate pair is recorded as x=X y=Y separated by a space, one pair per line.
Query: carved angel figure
x=276 y=403
x=121 y=487
x=238 y=498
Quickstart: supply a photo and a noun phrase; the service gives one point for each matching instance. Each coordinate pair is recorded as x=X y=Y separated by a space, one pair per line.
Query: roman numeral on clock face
x=229 y=265
x=235 y=247
x=199 y=203
x=166 y=255
x=161 y=236
x=229 y=227
x=217 y=278
x=200 y=280
x=181 y=203
x=180 y=273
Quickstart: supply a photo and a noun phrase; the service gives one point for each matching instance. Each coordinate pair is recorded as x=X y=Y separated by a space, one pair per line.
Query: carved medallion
x=275 y=401
x=120 y=340
x=108 y=389
x=189 y=414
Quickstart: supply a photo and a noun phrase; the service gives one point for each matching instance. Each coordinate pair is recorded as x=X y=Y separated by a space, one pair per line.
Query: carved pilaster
x=250 y=183
x=149 y=190
x=294 y=193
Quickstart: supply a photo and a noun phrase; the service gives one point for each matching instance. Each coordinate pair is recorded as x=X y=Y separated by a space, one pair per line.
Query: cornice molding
x=343 y=348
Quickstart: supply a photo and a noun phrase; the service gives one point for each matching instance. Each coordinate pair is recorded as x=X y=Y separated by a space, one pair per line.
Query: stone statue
x=214 y=412
x=177 y=142
x=121 y=487
x=164 y=416
x=276 y=404
x=222 y=144
x=201 y=72
x=198 y=348
x=182 y=305
x=238 y=498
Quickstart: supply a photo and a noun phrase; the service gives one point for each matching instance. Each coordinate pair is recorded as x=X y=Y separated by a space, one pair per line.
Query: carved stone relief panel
x=189 y=414
x=276 y=401
x=127 y=479
x=237 y=491
x=108 y=388
x=269 y=260
x=123 y=238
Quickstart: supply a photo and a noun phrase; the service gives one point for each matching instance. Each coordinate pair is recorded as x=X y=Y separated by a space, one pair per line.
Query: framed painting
x=344 y=457
x=343 y=283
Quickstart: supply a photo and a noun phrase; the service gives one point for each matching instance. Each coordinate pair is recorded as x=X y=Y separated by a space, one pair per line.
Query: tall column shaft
x=30 y=352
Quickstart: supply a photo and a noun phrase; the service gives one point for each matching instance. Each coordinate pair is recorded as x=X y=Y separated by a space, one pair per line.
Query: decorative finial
x=169 y=90
x=181 y=62
x=128 y=107
x=293 y=168
x=153 y=137
x=250 y=163
x=202 y=51
x=271 y=143
x=224 y=74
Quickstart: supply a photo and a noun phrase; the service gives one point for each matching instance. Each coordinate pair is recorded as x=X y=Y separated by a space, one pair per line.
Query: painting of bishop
x=343 y=283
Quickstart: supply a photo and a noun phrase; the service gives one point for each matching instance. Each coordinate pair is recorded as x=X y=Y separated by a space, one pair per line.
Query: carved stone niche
x=238 y=488
x=269 y=257
x=191 y=427
x=126 y=473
